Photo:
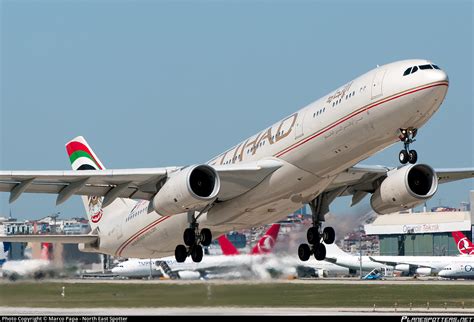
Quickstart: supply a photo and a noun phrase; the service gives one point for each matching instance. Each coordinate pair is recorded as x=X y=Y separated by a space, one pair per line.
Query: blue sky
x=160 y=83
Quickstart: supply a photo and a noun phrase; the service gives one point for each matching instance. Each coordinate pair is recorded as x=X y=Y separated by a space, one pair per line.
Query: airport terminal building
x=422 y=233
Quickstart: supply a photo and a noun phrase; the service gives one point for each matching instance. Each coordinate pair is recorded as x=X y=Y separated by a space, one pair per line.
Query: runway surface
x=351 y=281
x=229 y=311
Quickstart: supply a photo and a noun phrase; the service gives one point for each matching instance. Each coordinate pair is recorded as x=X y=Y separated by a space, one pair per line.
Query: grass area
x=276 y=295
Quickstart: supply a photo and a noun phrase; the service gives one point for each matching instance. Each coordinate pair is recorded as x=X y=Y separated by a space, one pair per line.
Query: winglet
x=267 y=242
x=227 y=247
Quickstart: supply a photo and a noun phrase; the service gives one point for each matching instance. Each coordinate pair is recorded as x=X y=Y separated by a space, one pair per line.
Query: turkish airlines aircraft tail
x=465 y=246
x=82 y=157
x=264 y=245
x=267 y=242
x=227 y=247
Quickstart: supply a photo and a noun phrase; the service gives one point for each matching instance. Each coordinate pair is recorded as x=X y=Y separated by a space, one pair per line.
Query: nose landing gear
x=407 y=137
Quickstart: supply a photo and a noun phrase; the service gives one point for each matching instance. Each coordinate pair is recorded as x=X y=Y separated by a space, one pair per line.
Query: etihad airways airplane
x=309 y=157
x=226 y=265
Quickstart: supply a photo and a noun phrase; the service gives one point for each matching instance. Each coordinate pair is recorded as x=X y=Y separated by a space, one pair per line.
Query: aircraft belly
x=282 y=192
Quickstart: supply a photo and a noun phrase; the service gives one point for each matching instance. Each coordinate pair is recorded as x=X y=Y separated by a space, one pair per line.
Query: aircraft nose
x=441 y=76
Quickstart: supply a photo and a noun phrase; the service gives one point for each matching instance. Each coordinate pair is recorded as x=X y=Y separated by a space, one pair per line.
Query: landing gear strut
x=407 y=137
x=194 y=239
x=315 y=235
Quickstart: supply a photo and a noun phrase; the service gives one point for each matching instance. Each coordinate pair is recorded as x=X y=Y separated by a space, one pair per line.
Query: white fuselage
x=314 y=144
x=462 y=269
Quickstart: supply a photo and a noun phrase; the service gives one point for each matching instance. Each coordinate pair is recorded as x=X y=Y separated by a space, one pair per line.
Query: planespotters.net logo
x=437 y=319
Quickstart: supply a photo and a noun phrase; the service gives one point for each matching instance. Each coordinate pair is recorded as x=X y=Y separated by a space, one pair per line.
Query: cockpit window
x=414 y=69
x=435 y=67
x=407 y=71
x=425 y=67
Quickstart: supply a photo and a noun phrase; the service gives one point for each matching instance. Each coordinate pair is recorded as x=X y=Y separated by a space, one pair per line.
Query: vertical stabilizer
x=465 y=246
x=227 y=247
x=267 y=242
x=82 y=157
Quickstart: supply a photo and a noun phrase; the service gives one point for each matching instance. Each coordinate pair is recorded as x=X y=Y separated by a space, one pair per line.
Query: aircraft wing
x=235 y=179
x=62 y=239
x=393 y=263
x=361 y=180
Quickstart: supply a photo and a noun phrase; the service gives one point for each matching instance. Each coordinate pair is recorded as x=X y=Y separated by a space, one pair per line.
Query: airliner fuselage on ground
x=309 y=157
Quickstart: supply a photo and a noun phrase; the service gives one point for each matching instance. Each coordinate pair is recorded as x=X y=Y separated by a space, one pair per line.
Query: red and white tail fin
x=227 y=247
x=465 y=246
x=267 y=242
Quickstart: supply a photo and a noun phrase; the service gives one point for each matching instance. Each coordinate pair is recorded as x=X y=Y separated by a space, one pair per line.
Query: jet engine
x=191 y=188
x=405 y=268
x=423 y=271
x=404 y=188
x=189 y=275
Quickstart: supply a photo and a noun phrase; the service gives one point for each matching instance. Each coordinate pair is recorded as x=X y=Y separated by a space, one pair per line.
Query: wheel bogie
x=329 y=235
x=189 y=237
x=313 y=235
x=403 y=157
x=412 y=156
x=196 y=253
x=320 y=252
x=304 y=252
x=180 y=253
x=206 y=237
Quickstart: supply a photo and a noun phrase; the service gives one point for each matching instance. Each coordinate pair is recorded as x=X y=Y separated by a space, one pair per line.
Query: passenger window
x=414 y=69
x=425 y=67
x=407 y=72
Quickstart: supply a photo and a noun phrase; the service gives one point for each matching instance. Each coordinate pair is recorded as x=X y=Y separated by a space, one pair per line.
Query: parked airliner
x=309 y=157
x=463 y=270
x=212 y=265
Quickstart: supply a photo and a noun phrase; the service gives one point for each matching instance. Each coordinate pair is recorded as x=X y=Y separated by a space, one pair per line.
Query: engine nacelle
x=189 y=275
x=423 y=271
x=191 y=188
x=405 y=268
x=404 y=188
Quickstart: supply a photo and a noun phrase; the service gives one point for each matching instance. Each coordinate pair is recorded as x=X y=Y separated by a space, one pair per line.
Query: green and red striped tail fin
x=81 y=155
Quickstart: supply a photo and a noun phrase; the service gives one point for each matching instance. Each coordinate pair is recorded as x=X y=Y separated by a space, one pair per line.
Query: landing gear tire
x=412 y=156
x=403 y=157
x=206 y=237
x=320 y=252
x=196 y=253
x=304 y=252
x=329 y=235
x=313 y=235
x=180 y=253
x=189 y=237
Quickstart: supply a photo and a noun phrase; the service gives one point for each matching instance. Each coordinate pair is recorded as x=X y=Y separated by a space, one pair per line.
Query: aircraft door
x=377 y=83
x=299 y=132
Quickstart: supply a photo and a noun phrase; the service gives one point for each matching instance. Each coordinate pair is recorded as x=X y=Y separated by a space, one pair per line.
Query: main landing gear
x=314 y=235
x=407 y=137
x=194 y=239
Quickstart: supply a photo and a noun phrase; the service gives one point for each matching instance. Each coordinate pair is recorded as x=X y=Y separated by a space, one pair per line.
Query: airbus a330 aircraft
x=310 y=157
